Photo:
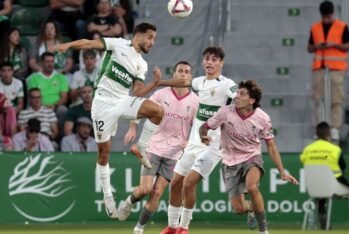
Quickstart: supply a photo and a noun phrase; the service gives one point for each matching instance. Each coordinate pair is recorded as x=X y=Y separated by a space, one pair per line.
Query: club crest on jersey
x=212 y=92
x=188 y=108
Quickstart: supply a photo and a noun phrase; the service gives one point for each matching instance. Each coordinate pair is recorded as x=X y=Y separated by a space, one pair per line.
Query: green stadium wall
x=63 y=188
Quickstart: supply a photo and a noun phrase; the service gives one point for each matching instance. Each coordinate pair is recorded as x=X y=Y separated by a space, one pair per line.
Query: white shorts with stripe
x=107 y=110
x=200 y=159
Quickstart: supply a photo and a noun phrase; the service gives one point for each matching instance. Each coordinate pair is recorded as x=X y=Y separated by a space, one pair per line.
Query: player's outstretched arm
x=275 y=156
x=82 y=44
x=178 y=82
x=140 y=89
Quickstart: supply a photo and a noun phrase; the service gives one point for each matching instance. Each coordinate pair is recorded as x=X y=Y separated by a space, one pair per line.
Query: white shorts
x=200 y=159
x=106 y=111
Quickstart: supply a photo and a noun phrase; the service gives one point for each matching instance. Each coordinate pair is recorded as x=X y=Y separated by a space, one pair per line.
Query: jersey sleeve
x=267 y=132
x=195 y=85
x=142 y=72
x=110 y=43
x=217 y=119
x=231 y=89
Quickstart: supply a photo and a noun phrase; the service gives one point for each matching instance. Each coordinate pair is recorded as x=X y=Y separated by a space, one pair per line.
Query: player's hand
x=289 y=178
x=156 y=75
x=130 y=136
x=206 y=140
x=59 y=48
x=184 y=144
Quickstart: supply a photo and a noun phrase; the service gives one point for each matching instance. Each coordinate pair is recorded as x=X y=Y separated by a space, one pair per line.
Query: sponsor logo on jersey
x=206 y=111
x=119 y=73
x=176 y=116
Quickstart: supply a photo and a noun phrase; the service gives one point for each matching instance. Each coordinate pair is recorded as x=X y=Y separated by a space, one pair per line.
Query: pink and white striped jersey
x=240 y=136
x=174 y=129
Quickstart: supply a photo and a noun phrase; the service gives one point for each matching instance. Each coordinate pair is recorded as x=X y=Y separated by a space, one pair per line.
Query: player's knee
x=176 y=183
x=145 y=190
x=188 y=184
x=239 y=209
x=156 y=193
x=252 y=189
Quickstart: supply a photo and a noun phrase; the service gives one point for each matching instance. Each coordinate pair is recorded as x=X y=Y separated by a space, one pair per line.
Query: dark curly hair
x=254 y=91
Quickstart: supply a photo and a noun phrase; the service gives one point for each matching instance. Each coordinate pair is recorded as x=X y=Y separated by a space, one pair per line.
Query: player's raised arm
x=179 y=82
x=140 y=89
x=82 y=44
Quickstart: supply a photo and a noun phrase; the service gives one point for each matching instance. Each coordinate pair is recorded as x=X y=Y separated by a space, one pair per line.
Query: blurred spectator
x=32 y=139
x=68 y=15
x=125 y=12
x=323 y=152
x=8 y=119
x=99 y=53
x=11 y=50
x=5 y=142
x=81 y=141
x=85 y=76
x=78 y=111
x=50 y=35
x=5 y=24
x=46 y=116
x=329 y=41
x=11 y=87
x=104 y=21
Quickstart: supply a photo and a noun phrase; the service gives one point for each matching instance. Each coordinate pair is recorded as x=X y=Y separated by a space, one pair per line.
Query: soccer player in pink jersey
x=165 y=145
x=242 y=126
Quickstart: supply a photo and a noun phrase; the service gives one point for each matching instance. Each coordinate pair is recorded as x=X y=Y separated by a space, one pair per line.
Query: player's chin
x=145 y=50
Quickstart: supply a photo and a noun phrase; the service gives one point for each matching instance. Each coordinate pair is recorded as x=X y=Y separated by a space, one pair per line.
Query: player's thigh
x=253 y=177
x=192 y=179
x=149 y=109
x=155 y=162
x=187 y=160
x=146 y=183
x=233 y=178
x=206 y=162
x=105 y=116
x=130 y=106
x=166 y=168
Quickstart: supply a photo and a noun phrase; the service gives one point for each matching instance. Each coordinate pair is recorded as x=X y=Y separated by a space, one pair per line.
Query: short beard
x=143 y=49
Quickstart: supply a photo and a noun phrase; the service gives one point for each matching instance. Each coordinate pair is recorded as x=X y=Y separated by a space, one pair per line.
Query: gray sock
x=262 y=221
x=144 y=217
x=133 y=199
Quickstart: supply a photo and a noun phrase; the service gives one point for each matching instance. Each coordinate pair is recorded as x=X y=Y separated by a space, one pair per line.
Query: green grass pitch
x=127 y=228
